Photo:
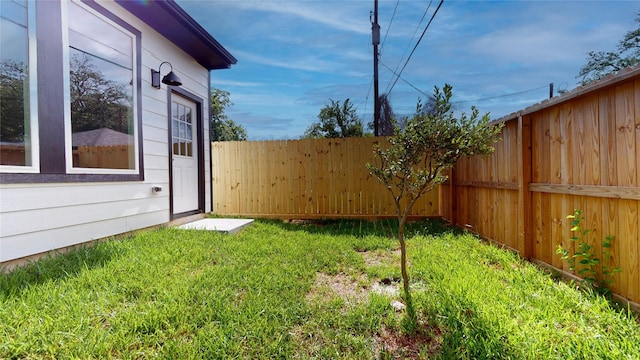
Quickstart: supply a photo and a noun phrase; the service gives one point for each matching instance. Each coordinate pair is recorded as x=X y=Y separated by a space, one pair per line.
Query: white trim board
x=229 y=226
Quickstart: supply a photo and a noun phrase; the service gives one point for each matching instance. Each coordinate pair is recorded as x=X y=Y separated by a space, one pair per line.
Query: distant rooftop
x=100 y=137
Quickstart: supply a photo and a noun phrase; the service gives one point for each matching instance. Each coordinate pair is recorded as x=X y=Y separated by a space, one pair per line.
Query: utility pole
x=375 y=37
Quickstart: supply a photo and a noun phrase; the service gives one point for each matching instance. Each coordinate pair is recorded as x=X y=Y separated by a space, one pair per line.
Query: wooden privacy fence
x=106 y=156
x=13 y=154
x=578 y=151
x=303 y=179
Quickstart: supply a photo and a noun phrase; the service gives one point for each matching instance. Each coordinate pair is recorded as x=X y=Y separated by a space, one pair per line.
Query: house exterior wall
x=39 y=217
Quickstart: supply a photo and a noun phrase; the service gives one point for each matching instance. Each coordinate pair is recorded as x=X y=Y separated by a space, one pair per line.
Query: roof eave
x=170 y=20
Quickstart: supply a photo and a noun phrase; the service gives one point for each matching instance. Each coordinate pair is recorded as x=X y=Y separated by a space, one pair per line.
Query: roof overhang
x=170 y=20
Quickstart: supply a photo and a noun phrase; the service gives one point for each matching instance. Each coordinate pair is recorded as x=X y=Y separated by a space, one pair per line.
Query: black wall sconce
x=169 y=79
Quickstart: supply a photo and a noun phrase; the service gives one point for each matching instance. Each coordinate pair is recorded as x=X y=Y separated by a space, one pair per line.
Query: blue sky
x=295 y=55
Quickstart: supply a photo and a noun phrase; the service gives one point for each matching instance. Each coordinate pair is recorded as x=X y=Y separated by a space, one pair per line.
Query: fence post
x=453 y=196
x=525 y=231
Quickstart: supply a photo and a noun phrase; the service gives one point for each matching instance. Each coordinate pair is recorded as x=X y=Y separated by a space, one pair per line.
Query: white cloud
x=342 y=15
x=307 y=63
x=221 y=82
x=537 y=43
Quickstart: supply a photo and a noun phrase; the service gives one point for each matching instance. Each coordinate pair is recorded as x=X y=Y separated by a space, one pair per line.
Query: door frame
x=177 y=91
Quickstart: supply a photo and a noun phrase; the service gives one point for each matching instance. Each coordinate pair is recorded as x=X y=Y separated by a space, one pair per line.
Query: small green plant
x=584 y=259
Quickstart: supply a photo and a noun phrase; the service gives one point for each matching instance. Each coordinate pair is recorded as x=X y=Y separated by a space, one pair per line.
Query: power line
x=463 y=101
x=410 y=41
x=389 y=27
x=500 y=96
x=366 y=100
x=408 y=83
x=415 y=47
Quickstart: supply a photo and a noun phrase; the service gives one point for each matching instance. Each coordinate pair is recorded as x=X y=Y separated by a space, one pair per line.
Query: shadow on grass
x=57 y=267
x=465 y=333
x=363 y=228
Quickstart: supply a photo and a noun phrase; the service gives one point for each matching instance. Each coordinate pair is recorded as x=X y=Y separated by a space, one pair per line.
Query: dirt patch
x=387 y=343
x=386 y=287
x=351 y=289
x=356 y=288
x=380 y=257
x=425 y=343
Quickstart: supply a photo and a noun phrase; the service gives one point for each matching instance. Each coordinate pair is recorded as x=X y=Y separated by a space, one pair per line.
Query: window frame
x=33 y=97
x=51 y=79
x=70 y=169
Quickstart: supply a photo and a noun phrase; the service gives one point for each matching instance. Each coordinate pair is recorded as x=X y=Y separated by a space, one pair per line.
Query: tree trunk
x=403 y=254
x=411 y=313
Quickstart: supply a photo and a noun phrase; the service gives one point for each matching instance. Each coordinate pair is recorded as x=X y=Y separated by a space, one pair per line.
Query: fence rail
x=311 y=178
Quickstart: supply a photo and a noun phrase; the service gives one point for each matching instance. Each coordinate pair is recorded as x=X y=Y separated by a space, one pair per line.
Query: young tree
x=336 y=120
x=418 y=154
x=223 y=128
x=601 y=63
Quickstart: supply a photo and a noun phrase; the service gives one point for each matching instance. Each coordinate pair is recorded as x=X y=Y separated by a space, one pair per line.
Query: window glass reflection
x=15 y=141
x=101 y=81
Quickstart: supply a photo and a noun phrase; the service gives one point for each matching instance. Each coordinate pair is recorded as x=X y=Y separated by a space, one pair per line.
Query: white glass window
x=102 y=76
x=18 y=100
x=182 y=130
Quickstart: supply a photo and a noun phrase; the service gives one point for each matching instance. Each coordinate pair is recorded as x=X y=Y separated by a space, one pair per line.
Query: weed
x=584 y=259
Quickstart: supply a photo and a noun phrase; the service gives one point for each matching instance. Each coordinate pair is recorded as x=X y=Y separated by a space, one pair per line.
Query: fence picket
x=310 y=178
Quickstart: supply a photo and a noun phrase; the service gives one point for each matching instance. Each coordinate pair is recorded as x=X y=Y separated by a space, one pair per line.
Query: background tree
x=418 y=154
x=386 y=122
x=97 y=102
x=13 y=77
x=429 y=106
x=223 y=128
x=336 y=120
x=601 y=63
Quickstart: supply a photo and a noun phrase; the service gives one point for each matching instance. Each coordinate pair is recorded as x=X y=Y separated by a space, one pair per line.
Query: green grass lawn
x=301 y=291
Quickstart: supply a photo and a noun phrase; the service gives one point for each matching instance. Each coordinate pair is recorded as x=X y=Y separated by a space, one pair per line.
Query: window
x=18 y=102
x=182 y=130
x=70 y=111
x=102 y=120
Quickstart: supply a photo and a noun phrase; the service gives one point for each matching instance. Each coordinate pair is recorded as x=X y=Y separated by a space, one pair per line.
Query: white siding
x=36 y=218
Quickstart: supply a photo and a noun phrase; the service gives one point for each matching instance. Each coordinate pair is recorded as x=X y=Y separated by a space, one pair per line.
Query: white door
x=184 y=135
